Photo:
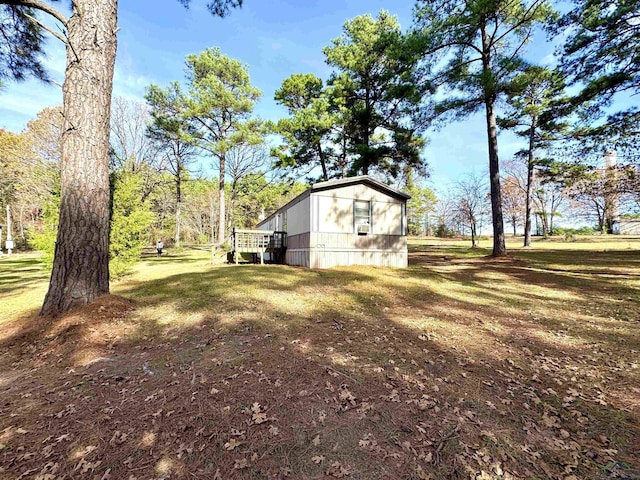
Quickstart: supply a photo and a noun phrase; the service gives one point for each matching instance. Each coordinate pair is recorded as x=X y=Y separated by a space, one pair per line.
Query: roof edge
x=341 y=182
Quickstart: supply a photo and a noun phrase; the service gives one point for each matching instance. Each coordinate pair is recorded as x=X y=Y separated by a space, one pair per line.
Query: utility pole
x=9 y=242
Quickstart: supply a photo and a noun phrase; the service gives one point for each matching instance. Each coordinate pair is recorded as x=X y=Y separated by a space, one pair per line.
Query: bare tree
x=448 y=222
x=132 y=149
x=179 y=157
x=242 y=161
x=472 y=203
x=548 y=198
x=514 y=202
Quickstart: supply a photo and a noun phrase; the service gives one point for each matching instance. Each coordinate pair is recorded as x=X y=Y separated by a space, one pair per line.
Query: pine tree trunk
x=178 y=202
x=81 y=263
x=178 y=220
x=527 y=221
x=499 y=248
x=323 y=163
x=221 y=205
x=211 y=215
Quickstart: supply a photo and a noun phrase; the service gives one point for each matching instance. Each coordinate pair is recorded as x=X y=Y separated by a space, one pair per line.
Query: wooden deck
x=258 y=242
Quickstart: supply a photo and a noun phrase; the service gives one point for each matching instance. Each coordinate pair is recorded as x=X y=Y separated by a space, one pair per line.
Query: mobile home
x=351 y=221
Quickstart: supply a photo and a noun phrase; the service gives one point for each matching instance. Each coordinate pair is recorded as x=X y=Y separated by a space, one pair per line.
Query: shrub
x=131 y=220
x=43 y=236
x=443 y=232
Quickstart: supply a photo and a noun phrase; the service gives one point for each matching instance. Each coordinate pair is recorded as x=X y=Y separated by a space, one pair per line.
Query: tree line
x=388 y=88
x=157 y=191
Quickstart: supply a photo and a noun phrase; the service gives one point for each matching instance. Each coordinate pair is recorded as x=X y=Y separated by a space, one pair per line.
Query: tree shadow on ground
x=280 y=372
x=20 y=272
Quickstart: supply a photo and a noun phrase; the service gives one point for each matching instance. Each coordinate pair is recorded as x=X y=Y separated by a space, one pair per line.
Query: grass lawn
x=460 y=366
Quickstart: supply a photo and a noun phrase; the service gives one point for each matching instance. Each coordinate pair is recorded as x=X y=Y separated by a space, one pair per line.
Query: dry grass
x=458 y=367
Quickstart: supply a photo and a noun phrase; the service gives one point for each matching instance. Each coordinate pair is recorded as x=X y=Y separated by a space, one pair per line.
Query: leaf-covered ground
x=458 y=367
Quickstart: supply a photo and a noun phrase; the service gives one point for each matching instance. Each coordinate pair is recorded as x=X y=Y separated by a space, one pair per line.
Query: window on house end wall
x=362 y=216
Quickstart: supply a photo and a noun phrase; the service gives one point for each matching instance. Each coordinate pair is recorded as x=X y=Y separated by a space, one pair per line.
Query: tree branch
x=525 y=18
x=38 y=5
x=45 y=27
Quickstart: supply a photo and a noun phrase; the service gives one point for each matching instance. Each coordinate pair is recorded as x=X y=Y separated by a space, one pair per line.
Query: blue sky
x=275 y=38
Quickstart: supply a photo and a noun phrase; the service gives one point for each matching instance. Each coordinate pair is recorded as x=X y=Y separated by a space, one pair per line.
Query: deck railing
x=258 y=242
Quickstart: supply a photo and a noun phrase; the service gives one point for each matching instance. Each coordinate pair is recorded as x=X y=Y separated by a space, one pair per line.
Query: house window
x=362 y=216
x=284 y=221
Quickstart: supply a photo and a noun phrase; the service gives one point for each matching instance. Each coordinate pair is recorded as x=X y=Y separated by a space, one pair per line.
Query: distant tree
x=600 y=194
x=447 y=219
x=199 y=210
x=472 y=50
x=214 y=113
x=422 y=203
x=132 y=148
x=243 y=162
x=513 y=200
x=220 y=104
x=40 y=178
x=376 y=85
x=472 y=205
x=81 y=263
x=548 y=199
x=13 y=149
x=531 y=96
x=44 y=134
x=172 y=135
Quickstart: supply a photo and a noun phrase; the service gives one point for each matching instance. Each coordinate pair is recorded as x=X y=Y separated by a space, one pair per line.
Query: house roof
x=365 y=179
x=342 y=182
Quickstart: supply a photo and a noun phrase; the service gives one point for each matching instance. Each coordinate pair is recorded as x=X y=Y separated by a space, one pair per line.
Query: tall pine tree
x=472 y=50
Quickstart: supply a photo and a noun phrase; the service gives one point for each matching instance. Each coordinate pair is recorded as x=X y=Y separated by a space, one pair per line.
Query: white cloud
x=129 y=85
x=21 y=102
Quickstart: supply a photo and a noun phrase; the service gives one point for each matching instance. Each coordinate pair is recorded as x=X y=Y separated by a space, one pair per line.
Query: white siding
x=334 y=214
x=629 y=227
x=298 y=218
x=334 y=210
x=387 y=218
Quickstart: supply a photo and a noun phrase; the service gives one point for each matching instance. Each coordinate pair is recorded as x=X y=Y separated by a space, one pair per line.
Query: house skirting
x=327 y=258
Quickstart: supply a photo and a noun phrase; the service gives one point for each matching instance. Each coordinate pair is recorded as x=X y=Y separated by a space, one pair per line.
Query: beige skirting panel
x=297 y=257
x=334 y=258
